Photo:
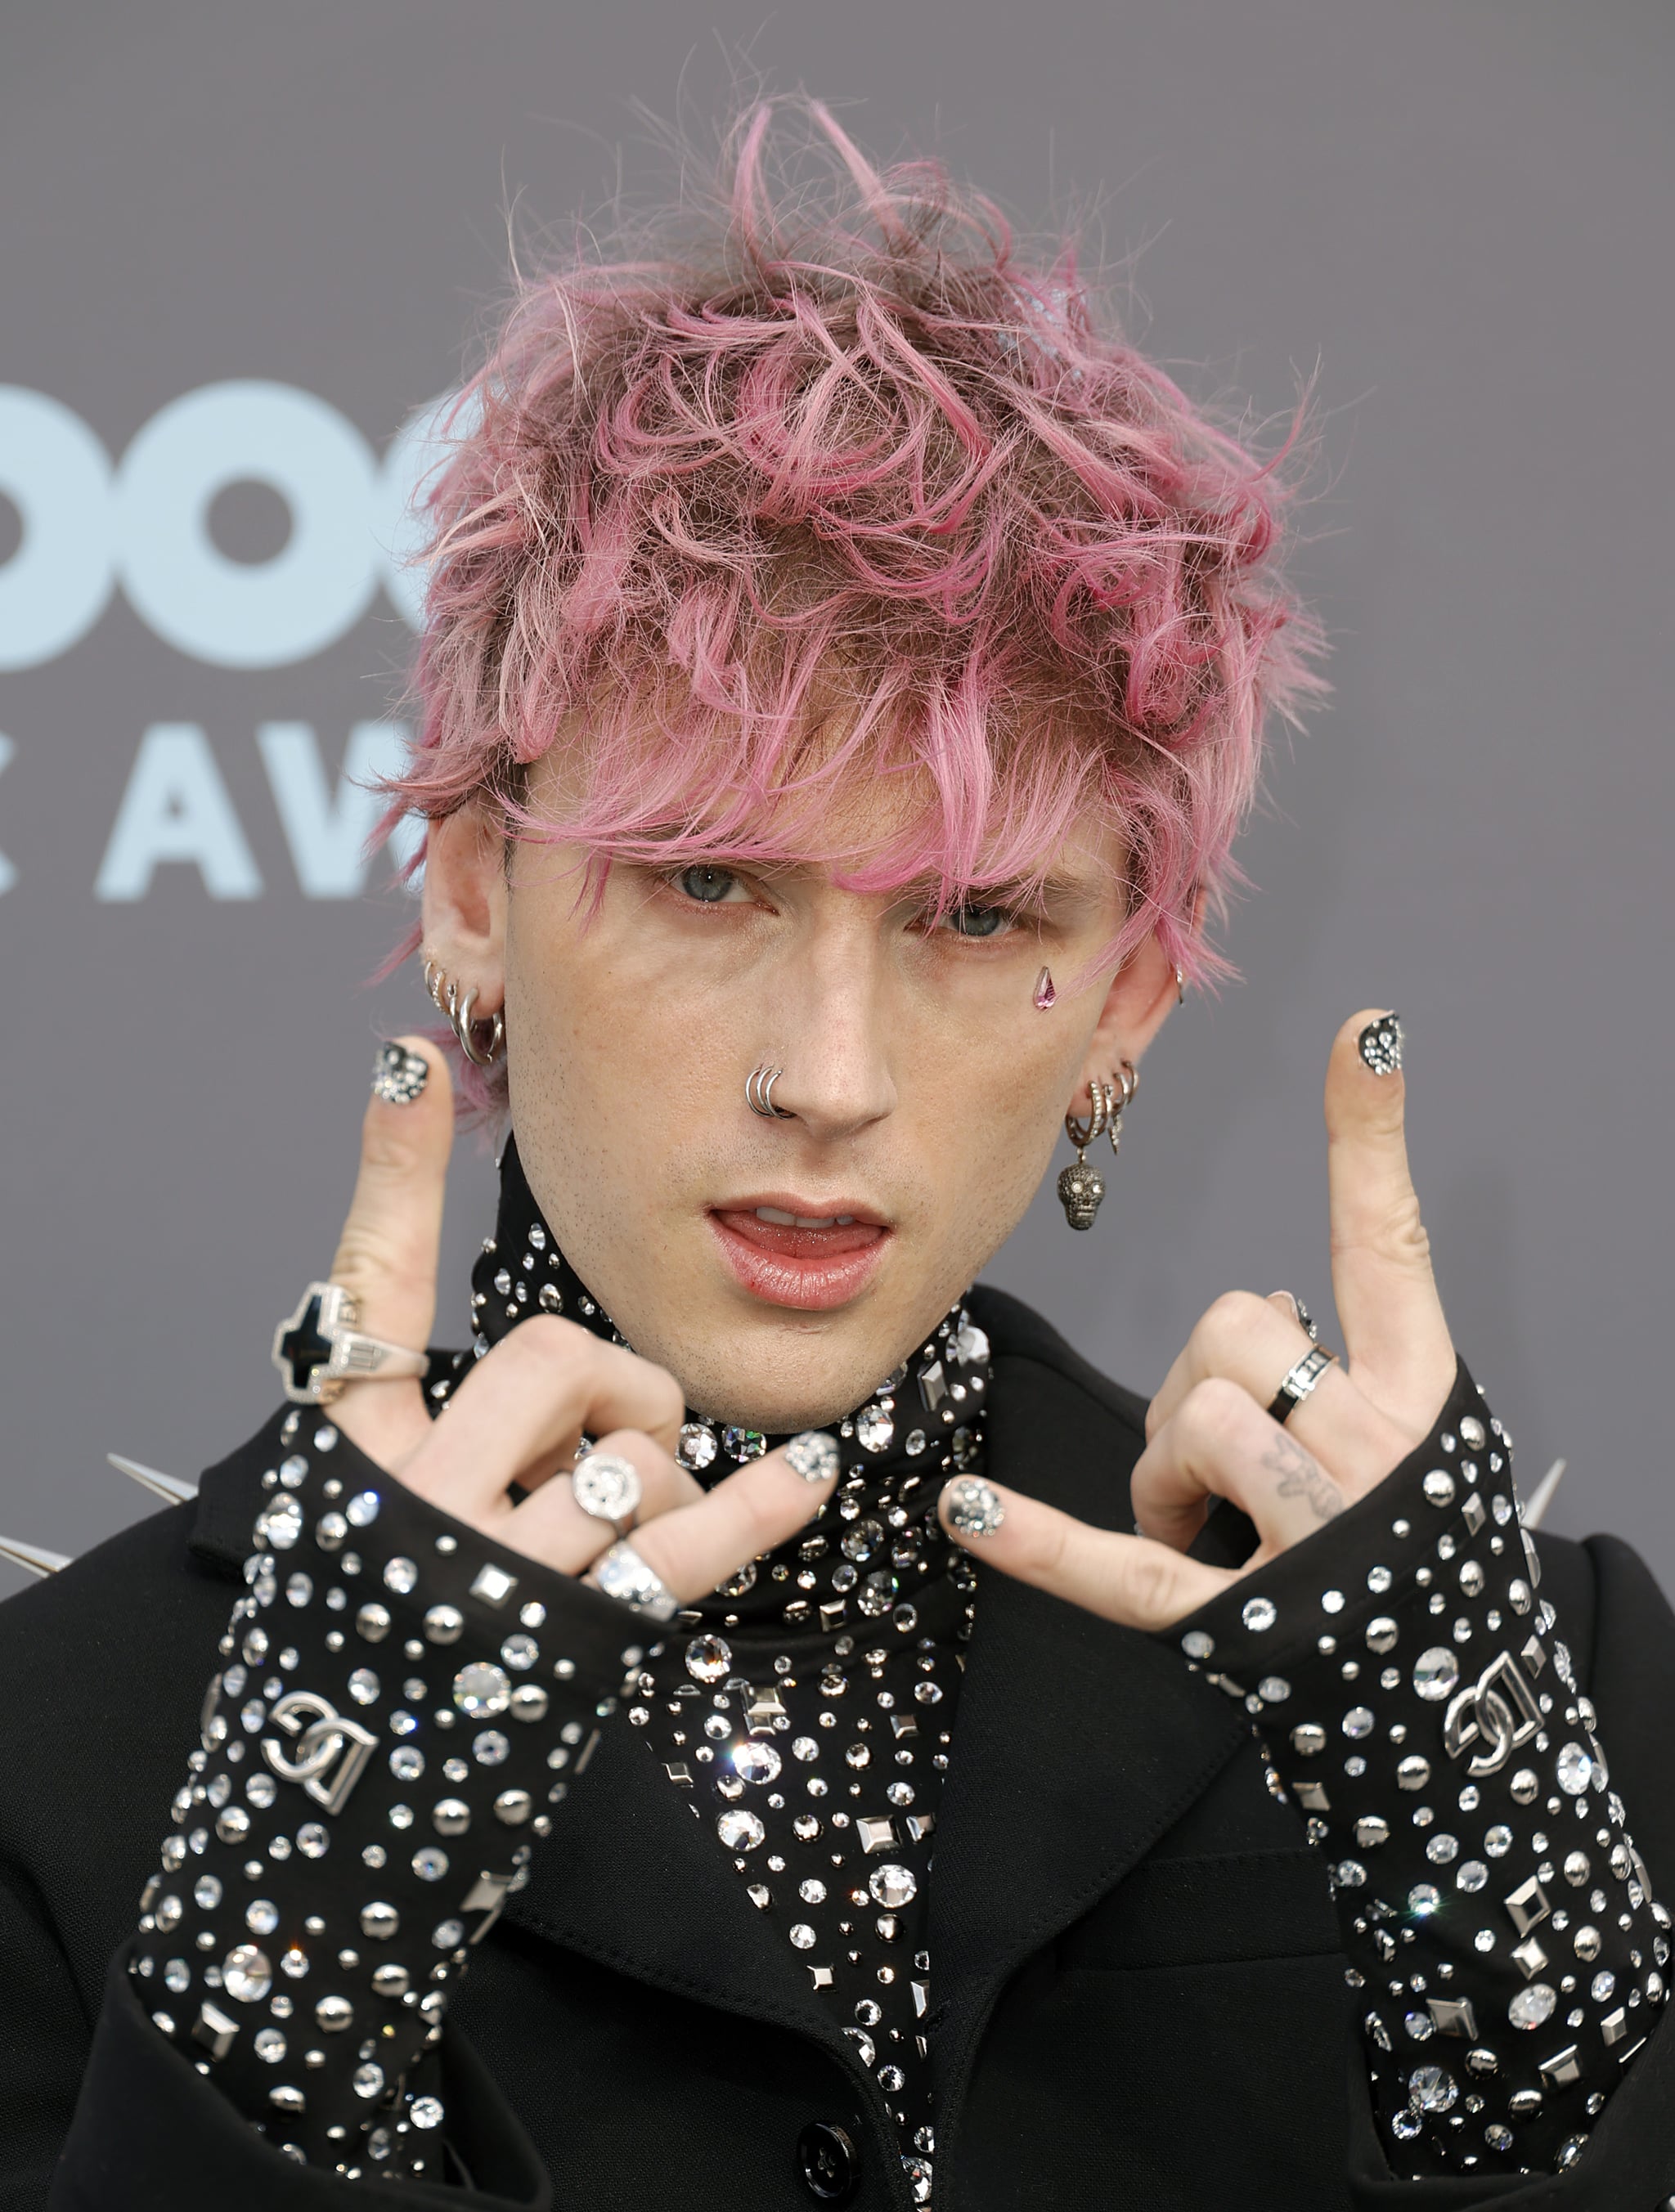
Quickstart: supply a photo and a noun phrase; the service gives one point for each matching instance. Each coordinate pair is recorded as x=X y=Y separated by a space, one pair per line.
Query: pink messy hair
x=832 y=459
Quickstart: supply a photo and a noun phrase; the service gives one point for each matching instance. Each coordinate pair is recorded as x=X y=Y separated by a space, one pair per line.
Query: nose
x=827 y=1030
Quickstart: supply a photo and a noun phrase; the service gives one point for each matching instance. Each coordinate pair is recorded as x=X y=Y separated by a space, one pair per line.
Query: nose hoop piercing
x=759 y=1094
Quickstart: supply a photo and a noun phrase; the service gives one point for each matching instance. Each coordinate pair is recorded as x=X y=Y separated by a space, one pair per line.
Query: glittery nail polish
x=398 y=1076
x=813 y=1455
x=974 y=1507
x=1380 y=1045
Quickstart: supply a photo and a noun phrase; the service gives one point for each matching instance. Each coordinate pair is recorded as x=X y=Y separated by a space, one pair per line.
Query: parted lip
x=854 y=1210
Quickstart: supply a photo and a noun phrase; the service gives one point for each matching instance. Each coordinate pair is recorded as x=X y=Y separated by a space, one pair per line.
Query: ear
x=1143 y=995
x=464 y=904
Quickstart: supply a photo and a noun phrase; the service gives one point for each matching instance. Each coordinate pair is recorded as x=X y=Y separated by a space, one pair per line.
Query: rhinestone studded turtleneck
x=807 y=1705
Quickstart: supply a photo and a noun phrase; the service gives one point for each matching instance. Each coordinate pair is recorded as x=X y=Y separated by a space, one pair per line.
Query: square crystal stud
x=1528 y=1906
x=1531 y=1958
x=919 y=1826
x=680 y=1775
x=903 y=1724
x=1561 y=2068
x=1614 y=2027
x=213 y=2029
x=1312 y=1797
x=765 y=1709
x=1533 y=1656
x=876 y=1835
x=1453 y=2016
x=493 y=1584
x=822 y=1976
x=920 y=1998
x=1472 y=1513
x=933 y=1386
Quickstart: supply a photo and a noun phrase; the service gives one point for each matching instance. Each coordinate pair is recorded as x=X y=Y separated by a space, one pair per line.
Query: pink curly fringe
x=835 y=483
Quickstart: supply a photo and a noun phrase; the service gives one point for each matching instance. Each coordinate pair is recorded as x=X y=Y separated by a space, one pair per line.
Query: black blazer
x=1140 y=1998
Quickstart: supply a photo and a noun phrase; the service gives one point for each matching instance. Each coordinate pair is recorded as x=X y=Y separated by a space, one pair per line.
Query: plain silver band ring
x=1299 y=1382
x=621 y=1573
x=759 y=1094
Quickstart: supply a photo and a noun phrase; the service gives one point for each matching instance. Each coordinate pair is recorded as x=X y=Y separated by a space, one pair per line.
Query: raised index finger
x=1394 y=1331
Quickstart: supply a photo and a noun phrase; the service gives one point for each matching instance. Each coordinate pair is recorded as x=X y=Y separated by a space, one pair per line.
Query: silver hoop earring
x=759 y=1094
x=1081 y=1189
x=445 y=994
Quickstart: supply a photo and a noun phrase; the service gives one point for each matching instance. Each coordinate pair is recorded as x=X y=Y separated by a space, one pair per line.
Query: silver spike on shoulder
x=34 y=1556
x=168 y=1486
x=1536 y=1511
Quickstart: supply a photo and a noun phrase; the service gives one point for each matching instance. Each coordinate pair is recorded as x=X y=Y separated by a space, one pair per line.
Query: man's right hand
x=519 y=1413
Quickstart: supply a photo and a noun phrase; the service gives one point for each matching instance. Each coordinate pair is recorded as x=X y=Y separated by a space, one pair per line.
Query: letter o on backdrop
x=235 y=614
x=58 y=475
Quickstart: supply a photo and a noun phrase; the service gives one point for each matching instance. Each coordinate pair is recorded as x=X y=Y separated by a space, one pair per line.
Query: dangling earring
x=1081 y=1189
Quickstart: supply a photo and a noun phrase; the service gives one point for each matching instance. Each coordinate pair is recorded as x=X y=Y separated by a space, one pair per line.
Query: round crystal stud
x=246 y=1974
x=444 y=1624
x=368 y=2080
x=743 y=1444
x=391 y=1981
x=363 y=1686
x=513 y=1807
x=401 y=1576
x=1587 y=1942
x=1472 y=1876
x=448 y=1934
x=1349 y=1874
x=696 y=1446
x=451 y=1816
x=1308 y=1739
x=1413 y=1772
x=362 y=1509
x=708 y=1658
x=1533 y=2007
x=334 y=2014
x=1432 y=2089
x=738 y=1830
x=261 y=1916
x=1575 y=1770
x=529 y=1702
x=1436 y=1673
x=520 y=1652
x=803 y=1936
x=406 y=1763
x=1372 y=1829
x=892 y=1887
x=279 y=1525
x=372 y=1622
x=1358 y=1722
x=874 y=1428
x=1439 y=1487
x=425 y=2112
x=430 y=1862
x=1258 y=1614
x=269 y=2044
x=1273 y=1689
x=481 y=1688
x=1381 y=1634
x=1424 y=1899
x=1196 y=1644
x=1473 y=1433
x=379 y=1922
x=757 y=1762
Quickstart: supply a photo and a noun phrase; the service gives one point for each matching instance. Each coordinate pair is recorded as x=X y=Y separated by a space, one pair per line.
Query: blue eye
x=708 y=885
x=969 y=920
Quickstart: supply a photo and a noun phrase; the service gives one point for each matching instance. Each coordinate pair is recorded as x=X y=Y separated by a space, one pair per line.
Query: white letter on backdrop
x=327 y=831
x=8 y=873
x=176 y=808
x=57 y=474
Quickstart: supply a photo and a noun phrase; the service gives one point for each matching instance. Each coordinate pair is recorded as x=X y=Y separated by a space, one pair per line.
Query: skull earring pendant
x=1081 y=1189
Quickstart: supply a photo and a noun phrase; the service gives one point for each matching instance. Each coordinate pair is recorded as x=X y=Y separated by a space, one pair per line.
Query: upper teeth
x=803 y=1220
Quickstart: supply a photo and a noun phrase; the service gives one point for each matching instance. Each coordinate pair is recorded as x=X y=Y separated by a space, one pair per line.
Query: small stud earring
x=1045 y=992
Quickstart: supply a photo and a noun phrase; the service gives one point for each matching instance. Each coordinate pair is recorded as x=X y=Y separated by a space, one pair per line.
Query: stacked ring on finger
x=624 y=1575
x=608 y=1488
x=1299 y=1381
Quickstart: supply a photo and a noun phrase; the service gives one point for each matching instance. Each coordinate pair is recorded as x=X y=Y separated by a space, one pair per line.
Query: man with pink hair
x=766 y=1723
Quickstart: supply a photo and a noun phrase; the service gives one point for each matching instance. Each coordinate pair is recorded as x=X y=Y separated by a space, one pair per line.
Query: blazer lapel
x=1077 y=1743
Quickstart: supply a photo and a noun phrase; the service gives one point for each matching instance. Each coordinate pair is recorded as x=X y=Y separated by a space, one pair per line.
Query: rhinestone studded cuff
x=401 y=1702
x=1412 y=1695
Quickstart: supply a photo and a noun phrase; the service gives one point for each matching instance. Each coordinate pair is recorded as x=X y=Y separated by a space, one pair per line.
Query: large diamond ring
x=607 y=1486
x=319 y=1349
x=1299 y=1381
x=623 y=1574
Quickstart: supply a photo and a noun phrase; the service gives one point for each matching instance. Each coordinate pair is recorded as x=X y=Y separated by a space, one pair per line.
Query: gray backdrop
x=243 y=244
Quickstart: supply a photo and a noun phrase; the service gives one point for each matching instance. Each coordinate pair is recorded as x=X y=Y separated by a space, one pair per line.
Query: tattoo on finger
x=1300 y=1475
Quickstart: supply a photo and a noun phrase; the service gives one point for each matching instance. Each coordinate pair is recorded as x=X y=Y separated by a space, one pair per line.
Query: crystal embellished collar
x=876 y=1548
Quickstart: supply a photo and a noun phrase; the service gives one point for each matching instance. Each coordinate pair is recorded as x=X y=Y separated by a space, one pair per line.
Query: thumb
x=387 y=1254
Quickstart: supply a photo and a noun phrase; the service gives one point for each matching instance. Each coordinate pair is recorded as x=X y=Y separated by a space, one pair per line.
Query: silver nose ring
x=759 y=1094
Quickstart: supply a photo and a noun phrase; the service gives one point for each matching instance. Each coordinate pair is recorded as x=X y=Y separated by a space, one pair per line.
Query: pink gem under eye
x=1045 y=992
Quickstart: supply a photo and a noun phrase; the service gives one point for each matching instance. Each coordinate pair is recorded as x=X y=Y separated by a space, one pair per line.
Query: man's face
x=781 y=1268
